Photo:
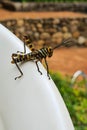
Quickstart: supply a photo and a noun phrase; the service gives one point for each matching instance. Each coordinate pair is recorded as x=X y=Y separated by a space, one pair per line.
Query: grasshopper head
x=50 y=51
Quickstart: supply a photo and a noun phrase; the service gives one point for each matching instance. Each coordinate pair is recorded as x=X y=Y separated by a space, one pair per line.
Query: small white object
x=81 y=40
x=31 y=102
x=76 y=75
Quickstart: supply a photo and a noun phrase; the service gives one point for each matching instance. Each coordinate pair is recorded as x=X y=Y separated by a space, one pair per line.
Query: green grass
x=75 y=99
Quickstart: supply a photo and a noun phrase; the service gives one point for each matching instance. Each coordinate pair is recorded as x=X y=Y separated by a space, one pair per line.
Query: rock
x=21 y=30
x=57 y=41
x=64 y=29
x=45 y=36
x=74 y=22
x=36 y=35
x=52 y=30
x=81 y=40
x=41 y=42
x=67 y=35
x=40 y=30
x=48 y=42
x=32 y=25
x=39 y=25
x=85 y=43
x=27 y=6
x=55 y=26
x=47 y=30
x=8 y=24
x=13 y=6
x=20 y=22
x=34 y=29
x=57 y=35
x=84 y=33
x=17 y=6
x=56 y=21
x=73 y=28
x=29 y=32
x=44 y=6
x=76 y=34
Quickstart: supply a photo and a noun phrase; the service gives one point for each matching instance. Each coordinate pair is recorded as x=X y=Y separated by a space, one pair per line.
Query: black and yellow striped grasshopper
x=36 y=55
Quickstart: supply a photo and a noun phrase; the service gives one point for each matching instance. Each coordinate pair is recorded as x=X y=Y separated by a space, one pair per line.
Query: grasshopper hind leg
x=24 y=50
x=21 y=73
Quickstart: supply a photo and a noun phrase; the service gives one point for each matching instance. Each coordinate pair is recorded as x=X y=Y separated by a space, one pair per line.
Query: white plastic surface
x=31 y=102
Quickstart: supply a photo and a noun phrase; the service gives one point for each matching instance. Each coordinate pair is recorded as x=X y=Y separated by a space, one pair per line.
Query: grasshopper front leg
x=47 y=67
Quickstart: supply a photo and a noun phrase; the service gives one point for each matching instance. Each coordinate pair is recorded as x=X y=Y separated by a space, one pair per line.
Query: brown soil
x=64 y=60
x=5 y=14
x=67 y=61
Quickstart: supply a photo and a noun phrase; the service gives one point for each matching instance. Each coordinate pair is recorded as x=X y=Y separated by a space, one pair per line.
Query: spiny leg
x=38 y=68
x=18 y=69
x=47 y=68
x=24 y=48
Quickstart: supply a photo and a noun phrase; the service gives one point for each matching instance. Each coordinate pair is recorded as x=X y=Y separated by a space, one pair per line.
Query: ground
x=68 y=61
x=5 y=14
x=64 y=60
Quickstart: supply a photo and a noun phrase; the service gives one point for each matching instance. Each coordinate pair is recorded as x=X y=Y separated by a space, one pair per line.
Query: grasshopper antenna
x=66 y=42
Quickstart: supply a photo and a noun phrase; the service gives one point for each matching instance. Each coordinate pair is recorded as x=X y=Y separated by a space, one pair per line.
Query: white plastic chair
x=31 y=102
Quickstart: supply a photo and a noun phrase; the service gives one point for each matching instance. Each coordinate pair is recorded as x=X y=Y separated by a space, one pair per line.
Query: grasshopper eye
x=49 y=49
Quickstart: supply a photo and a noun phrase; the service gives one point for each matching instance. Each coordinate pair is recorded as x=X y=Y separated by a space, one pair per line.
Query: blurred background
x=48 y=22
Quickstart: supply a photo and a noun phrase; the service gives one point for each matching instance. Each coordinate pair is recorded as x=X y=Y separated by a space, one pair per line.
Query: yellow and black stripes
x=19 y=58
x=28 y=43
x=36 y=55
x=44 y=52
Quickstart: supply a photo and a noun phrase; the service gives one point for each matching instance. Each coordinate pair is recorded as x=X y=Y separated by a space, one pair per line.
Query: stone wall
x=46 y=32
x=45 y=6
